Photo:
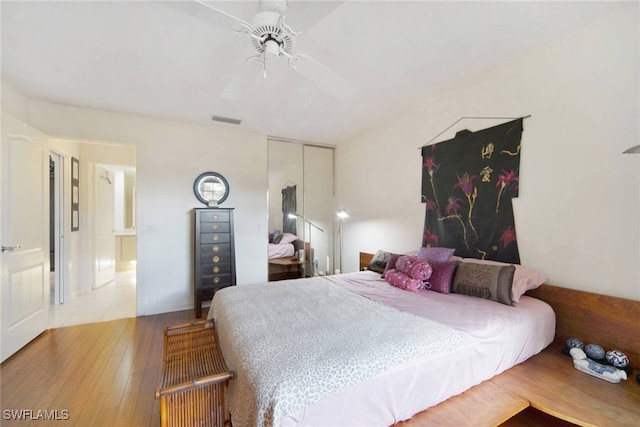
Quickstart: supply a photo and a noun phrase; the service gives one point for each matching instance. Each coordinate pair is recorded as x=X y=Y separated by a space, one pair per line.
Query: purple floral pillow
x=402 y=281
x=437 y=254
x=441 y=277
x=414 y=267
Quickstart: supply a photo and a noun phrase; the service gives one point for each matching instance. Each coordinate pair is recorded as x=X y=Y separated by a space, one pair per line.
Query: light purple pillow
x=402 y=281
x=436 y=254
x=414 y=267
x=441 y=277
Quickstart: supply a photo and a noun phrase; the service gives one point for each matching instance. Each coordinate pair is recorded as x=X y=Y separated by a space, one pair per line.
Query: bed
x=281 y=250
x=283 y=245
x=283 y=261
x=350 y=349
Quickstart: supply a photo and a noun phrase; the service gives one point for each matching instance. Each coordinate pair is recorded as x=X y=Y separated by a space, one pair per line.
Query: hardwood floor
x=97 y=374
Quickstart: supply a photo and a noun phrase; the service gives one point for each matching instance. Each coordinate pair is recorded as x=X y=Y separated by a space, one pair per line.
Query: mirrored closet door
x=301 y=210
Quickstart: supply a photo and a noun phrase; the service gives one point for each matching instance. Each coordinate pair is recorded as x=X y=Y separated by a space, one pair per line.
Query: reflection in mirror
x=318 y=205
x=301 y=181
x=211 y=188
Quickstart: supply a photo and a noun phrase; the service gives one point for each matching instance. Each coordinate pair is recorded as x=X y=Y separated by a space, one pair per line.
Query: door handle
x=9 y=248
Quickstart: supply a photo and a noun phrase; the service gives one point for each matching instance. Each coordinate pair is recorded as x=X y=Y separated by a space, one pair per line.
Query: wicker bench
x=194 y=377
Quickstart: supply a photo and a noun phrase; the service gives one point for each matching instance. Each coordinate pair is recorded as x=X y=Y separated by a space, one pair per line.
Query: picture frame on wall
x=75 y=194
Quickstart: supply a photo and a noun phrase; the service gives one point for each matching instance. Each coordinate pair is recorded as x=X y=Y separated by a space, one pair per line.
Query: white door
x=24 y=261
x=105 y=243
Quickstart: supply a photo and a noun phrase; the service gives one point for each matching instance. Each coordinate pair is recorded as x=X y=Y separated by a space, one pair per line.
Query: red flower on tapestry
x=505 y=180
x=430 y=204
x=453 y=206
x=466 y=183
x=428 y=238
x=430 y=164
x=432 y=167
x=508 y=236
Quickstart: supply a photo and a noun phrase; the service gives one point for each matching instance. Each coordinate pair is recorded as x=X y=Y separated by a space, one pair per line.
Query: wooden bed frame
x=611 y=322
x=546 y=389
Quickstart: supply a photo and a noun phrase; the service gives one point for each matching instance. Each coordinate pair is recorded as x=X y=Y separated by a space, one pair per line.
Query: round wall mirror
x=211 y=188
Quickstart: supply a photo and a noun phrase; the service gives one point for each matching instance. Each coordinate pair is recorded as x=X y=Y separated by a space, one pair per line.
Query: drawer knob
x=215 y=216
x=216 y=258
x=216 y=269
x=216 y=248
x=215 y=226
x=216 y=237
x=216 y=280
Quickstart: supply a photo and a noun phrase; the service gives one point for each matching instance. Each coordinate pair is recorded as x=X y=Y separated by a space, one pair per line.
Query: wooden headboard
x=365 y=259
x=611 y=322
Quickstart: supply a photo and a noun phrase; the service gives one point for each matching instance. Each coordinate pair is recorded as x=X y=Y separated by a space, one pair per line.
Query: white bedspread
x=315 y=323
x=281 y=250
x=297 y=342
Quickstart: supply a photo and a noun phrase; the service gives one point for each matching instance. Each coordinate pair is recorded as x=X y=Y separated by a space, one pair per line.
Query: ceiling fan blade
x=206 y=12
x=306 y=14
x=323 y=77
x=248 y=73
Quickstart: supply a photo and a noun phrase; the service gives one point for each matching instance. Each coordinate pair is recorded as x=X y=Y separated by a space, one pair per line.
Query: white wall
x=169 y=156
x=578 y=213
x=14 y=102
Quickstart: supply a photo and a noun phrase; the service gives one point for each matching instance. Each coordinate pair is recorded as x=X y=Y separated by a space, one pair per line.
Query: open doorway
x=106 y=236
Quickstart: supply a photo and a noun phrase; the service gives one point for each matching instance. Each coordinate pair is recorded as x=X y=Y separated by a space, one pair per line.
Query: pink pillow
x=524 y=279
x=402 y=281
x=437 y=254
x=414 y=268
x=440 y=280
x=288 y=238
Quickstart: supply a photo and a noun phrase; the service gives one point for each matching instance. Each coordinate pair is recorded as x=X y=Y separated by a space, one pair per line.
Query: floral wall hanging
x=289 y=206
x=467 y=186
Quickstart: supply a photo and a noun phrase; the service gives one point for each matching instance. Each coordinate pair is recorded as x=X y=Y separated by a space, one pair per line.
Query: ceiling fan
x=273 y=39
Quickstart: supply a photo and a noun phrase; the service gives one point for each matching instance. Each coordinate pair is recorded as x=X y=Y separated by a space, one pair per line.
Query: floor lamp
x=342 y=215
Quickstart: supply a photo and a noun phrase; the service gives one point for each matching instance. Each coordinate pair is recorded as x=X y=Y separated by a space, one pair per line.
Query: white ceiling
x=146 y=58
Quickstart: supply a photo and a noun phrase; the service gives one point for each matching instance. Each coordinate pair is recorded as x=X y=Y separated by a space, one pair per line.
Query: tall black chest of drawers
x=215 y=260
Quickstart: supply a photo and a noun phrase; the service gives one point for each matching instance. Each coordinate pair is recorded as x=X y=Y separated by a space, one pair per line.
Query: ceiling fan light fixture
x=270 y=26
x=271 y=48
